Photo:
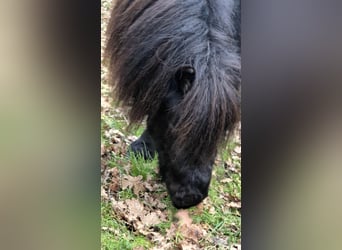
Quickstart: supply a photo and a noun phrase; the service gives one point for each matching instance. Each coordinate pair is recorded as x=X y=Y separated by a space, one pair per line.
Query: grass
x=144 y=168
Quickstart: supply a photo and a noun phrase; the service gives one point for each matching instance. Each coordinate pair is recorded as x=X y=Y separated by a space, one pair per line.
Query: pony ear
x=185 y=77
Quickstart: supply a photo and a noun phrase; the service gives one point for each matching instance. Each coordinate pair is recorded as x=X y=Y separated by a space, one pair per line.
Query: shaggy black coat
x=177 y=62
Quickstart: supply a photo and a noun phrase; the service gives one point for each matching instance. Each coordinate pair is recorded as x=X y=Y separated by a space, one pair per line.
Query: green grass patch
x=138 y=131
x=126 y=194
x=163 y=227
x=139 y=166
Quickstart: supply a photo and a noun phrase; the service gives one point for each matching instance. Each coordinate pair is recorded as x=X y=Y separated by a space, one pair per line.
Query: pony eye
x=185 y=78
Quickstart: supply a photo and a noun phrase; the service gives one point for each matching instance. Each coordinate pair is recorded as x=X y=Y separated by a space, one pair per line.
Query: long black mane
x=147 y=41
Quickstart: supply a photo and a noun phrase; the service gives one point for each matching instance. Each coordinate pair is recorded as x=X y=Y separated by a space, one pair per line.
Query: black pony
x=177 y=62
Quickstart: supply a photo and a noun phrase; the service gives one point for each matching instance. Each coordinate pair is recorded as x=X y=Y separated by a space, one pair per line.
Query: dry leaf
x=103 y=193
x=139 y=248
x=138 y=188
x=187 y=246
x=237 y=150
x=135 y=208
x=150 y=219
x=183 y=216
x=114 y=187
x=103 y=149
x=235 y=247
x=220 y=242
x=226 y=180
x=129 y=181
x=191 y=233
x=234 y=204
x=133 y=182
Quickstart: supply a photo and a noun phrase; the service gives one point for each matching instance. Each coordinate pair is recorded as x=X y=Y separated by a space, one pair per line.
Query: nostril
x=190 y=199
x=181 y=200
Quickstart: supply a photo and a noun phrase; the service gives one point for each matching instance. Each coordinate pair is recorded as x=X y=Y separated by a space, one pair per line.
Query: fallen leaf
x=103 y=149
x=220 y=242
x=235 y=247
x=114 y=187
x=133 y=182
x=234 y=204
x=183 y=217
x=212 y=210
x=191 y=233
x=103 y=193
x=111 y=230
x=135 y=209
x=187 y=246
x=139 y=248
x=150 y=219
x=237 y=150
x=226 y=180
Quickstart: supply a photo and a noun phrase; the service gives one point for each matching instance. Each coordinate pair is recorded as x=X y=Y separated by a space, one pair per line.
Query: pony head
x=177 y=64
